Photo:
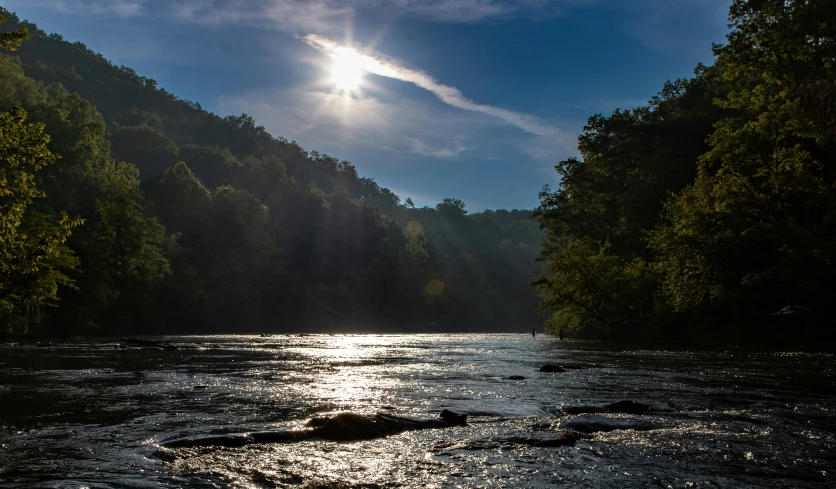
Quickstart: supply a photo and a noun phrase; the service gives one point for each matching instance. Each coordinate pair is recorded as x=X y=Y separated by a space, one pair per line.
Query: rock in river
x=342 y=427
x=624 y=407
x=561 y=440
x=627 y=407
x=593 y=423
x=552 y=368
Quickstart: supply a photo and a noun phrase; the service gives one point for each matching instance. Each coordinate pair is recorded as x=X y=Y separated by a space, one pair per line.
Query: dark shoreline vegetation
x=693 y=218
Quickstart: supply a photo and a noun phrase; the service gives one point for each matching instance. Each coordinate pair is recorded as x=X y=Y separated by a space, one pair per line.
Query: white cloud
x=118 y=8
x=422 y=148
x=340 y=124
x=470 y=11
x=377 y=119
x=390 y=68
x=551 y=149
x=315 y=15
x=664 y=25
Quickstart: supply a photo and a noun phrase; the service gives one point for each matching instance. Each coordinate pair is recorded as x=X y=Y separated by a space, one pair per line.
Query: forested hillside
x=714 y=206
x=126 y=209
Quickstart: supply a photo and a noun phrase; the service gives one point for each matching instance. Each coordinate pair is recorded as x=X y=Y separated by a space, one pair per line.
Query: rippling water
x=92 y=414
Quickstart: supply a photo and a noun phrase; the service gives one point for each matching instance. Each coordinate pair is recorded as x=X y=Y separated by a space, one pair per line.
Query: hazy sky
x=473 y=99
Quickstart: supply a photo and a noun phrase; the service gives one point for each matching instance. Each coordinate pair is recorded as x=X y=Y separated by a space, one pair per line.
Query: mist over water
x=94 y=413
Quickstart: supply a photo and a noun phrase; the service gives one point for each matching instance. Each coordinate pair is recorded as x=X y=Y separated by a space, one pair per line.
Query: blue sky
x=473 y=99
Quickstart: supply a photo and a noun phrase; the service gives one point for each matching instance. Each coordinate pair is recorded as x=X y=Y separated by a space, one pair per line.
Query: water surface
x=92 y=414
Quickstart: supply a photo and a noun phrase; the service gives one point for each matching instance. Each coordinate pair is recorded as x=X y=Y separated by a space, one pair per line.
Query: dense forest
x=711 y=208
x=124 y=209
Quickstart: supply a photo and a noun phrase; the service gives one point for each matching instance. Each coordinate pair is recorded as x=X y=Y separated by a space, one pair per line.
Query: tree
x=756 y=229
x=11 y=40
x=599 y=270
x=452 y=206
x=147 y=148
x=33 y=256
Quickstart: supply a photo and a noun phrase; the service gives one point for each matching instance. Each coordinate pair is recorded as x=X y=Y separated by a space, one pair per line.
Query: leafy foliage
x=33 y=256
x=745 y=150
x=757 y=224
x=11 y=40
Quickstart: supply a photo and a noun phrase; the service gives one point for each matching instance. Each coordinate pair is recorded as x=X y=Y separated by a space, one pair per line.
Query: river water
x=93 y=414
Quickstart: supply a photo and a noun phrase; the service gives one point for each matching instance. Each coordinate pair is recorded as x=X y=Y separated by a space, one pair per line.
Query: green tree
x=599 y=277
x=11 y=40
x=756 y=229
x=147 y=148
x=33 y=256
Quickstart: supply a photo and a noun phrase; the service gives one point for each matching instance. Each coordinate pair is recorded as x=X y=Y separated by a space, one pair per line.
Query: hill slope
x=194 y=222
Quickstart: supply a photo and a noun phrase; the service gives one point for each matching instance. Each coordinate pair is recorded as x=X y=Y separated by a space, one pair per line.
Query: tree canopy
x=712 y=206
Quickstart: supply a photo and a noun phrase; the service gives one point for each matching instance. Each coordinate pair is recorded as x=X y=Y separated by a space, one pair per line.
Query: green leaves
x=755 y=226
x=723 y=232
x=600 y=278
x=33 y=254
x=11 y=40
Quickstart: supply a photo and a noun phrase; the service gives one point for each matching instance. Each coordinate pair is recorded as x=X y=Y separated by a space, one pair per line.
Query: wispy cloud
x=118 y=8
x=551 y=149
x=660 y=24
x=330 y=121
x=422 y=148
x=307 y=15
x=390 y=68
x=470 y=11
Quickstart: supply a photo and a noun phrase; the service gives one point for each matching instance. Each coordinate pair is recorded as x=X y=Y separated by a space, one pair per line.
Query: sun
x=346 y=73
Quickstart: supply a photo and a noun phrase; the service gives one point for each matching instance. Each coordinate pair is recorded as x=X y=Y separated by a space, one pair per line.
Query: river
x=94 y=413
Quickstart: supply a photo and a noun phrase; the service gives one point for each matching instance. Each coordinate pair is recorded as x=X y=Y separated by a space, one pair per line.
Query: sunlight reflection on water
x=94 y=412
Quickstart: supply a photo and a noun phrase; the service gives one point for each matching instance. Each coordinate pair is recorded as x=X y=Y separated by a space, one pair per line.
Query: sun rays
x=346 y=70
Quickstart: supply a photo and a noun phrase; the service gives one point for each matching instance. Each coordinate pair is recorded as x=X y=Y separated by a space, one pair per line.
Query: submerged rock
x=591 y=423
x=353 y=427
x=627 y=407
x=561 y=440
x=488 y=413
x=140 y=342
x=583 y=409
x=516 y=377
x=623 y=407
x=342 y=427
x=453 y=418
x=552 y=368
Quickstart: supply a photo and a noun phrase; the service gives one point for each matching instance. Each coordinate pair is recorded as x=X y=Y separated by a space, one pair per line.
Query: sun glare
x=346 y=73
